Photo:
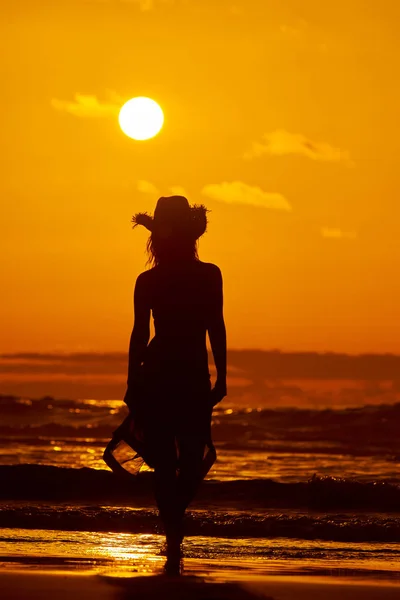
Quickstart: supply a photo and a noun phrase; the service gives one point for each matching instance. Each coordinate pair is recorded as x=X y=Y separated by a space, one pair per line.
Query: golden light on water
x=141 y=118
x=125 y=546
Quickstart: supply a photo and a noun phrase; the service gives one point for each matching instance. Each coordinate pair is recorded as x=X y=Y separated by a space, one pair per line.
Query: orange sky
x=282 y=116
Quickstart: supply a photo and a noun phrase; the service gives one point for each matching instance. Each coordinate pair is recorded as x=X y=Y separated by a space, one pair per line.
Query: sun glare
x=141 y=118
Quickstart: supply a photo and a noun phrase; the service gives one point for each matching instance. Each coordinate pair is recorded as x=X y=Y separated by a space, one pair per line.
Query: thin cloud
x=146 y=187
x=237 y=192
x=86 y=106
x=281 y=142
x=336 y=233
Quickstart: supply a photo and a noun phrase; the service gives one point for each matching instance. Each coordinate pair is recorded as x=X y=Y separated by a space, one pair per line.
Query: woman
x=169 y=391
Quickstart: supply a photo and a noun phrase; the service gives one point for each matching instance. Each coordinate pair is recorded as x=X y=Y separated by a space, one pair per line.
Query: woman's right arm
x=217 y=334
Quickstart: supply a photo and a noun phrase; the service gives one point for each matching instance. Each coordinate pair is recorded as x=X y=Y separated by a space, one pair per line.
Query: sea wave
x=205 y=523
x=41 y=482
x=368 y=429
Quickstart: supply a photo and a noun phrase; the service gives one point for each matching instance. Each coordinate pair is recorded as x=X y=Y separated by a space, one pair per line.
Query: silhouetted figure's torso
x=180 y=296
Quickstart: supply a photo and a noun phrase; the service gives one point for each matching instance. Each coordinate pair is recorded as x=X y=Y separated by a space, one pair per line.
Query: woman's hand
x=218 y=392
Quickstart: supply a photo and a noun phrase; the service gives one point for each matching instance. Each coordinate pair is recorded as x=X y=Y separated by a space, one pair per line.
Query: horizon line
x=120 y=353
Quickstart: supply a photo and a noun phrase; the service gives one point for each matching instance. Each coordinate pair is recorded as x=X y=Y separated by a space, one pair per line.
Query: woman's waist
x=176 y=368
x=183 y=335
x=174 y=384
x=177 y=349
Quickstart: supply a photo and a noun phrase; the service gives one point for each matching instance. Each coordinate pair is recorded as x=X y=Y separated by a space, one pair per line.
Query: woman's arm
x=139 y=338
x=217 y=335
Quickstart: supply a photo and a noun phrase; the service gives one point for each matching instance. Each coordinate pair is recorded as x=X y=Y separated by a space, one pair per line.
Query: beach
x=300 y=504
x=18 y=585
x=70 y=564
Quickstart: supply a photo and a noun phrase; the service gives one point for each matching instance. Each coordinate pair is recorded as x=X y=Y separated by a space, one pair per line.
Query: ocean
x=313 y=489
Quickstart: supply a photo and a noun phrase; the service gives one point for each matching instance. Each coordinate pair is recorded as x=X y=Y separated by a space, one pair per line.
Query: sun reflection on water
x=125 y=546
x=125 y=554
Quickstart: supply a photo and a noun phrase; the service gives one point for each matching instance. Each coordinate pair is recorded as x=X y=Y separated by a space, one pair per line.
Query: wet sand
x=226 y=585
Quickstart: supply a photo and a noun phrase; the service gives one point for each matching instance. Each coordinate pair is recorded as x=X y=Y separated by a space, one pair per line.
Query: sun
x=141 y=118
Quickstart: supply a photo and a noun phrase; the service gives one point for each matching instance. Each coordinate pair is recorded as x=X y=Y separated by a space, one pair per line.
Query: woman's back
x=181 y=296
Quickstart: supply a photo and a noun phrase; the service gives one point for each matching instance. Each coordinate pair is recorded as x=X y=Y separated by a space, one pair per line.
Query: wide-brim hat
x=173 y=215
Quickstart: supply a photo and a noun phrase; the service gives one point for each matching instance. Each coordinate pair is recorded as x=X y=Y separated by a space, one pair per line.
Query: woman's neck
x=177 y=262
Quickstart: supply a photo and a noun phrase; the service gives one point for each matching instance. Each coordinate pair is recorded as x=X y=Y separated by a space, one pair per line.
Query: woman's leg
x=193 y=432
x=166 y=493
x=165 y=479
x=191 y=453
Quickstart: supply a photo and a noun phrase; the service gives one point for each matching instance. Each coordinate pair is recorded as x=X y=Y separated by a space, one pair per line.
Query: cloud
x=146 y=187
x=281 y=142
x=336 y=233
x=238 y=192
x=89 y=106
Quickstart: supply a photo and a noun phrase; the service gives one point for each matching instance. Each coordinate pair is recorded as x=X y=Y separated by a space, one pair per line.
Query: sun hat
x=173 y=215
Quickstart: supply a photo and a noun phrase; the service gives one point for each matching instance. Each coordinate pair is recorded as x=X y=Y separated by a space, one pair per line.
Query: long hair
x=161 y=249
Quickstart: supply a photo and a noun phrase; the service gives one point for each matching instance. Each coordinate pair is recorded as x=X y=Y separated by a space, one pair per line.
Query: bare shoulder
x=211 y=271
x=210 y=268
x=145 y=278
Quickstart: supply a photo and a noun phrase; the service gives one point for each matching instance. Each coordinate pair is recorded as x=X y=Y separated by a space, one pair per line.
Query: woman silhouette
x=169 y=391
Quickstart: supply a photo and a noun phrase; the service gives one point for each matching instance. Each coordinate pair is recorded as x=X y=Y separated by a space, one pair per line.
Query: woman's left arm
x=139 y=338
